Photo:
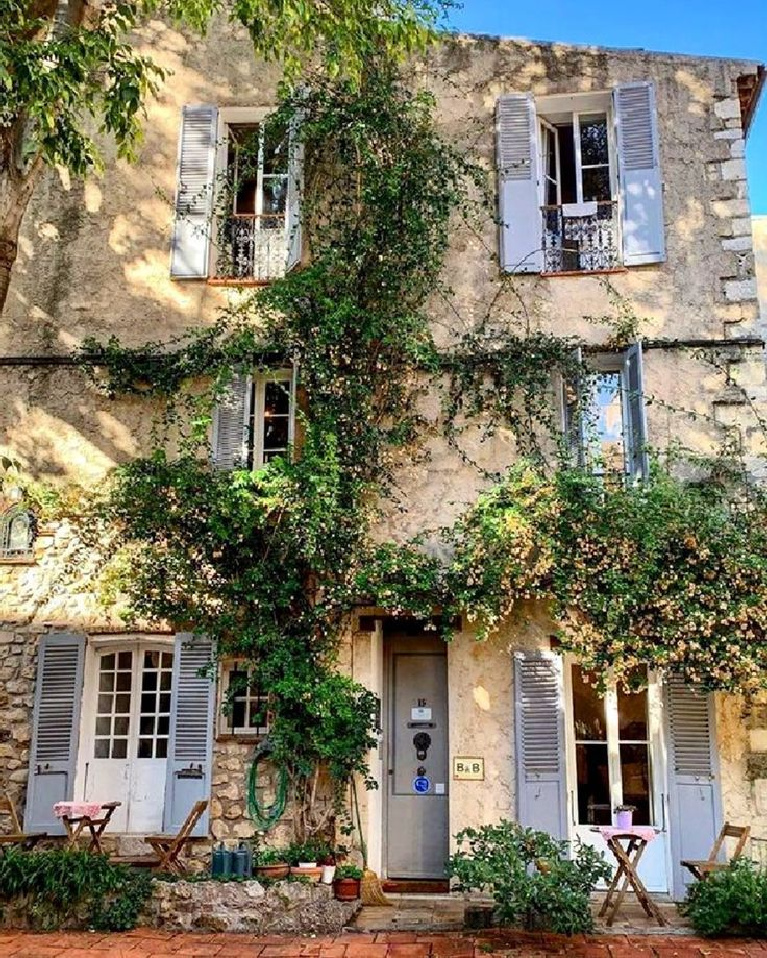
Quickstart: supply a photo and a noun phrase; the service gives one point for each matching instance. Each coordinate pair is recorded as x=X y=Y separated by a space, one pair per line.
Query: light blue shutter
x=194 y=192
x=190 y=749
x=637 y=456
x=540 y=742
x=232 y=442
x=295 y=189
x=518 y=199
x=55 y=730
x=639 y=173
x=694 y=795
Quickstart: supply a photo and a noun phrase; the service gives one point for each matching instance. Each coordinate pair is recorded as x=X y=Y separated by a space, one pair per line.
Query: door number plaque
x=468 y=769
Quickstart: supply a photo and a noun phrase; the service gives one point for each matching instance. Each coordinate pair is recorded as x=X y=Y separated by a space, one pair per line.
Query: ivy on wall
x=270 y=563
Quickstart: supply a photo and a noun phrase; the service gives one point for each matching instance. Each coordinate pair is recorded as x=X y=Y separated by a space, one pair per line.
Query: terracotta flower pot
x=347 y=889
x=275 y=872
x=312 y=872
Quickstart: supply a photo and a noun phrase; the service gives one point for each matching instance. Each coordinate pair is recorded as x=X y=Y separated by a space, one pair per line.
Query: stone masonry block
x=727 y=109
x=734 y=169
x=736 y=290
x=738 y=244
x=738 y=148
x=730 y=208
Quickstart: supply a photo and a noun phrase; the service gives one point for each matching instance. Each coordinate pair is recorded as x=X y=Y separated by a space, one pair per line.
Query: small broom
x=371 y=892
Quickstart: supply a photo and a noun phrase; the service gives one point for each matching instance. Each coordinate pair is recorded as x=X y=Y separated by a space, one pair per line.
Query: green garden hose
x=266 y=818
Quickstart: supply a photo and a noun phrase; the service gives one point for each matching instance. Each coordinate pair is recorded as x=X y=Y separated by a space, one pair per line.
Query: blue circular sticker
x=421 y=785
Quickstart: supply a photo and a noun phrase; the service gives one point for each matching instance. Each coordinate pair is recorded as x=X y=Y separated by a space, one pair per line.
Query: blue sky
x=711 y=27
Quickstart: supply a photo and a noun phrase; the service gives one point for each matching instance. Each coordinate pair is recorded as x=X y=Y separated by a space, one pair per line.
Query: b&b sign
x=467 y=769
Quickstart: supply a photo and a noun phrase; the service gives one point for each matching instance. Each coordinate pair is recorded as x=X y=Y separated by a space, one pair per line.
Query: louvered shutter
x=295 y=189
x=539 y=742
x=639 y=174
x=637 y=455
x=694 y=794
x=194 y=192
x=232 y=441
x=518 y=197
x=190 y=748
x=55 y=730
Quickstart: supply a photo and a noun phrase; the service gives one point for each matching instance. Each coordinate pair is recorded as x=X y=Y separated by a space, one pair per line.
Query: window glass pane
x=151 y=659
x=161 y=749
x=596 y=184
x=632 y=714
x=107 y=662
x=277 y=398
x=594 y=149
x=104 y=705
x=238 y=714
x=148 y=701
x=146 y=725
x=120 y=748
x=167 y=660
x=124 y=681
x=605 y=425
x=125 y=660
x=101 y=749
x=103 y=725
x=275 y=149
x=165 y=681
x=635 y=770
x=164 y=703
x=163 y=725
x=149 y=681
x=122 y=704
x=106 y=682
x=594 y=806
x=121 y=724
x=145 y=748
x=274 y=199
x=275 y=433
x=588 y=708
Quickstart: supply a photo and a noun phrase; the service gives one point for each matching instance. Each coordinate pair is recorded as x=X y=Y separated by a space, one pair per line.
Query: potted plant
x=346 y=884
x=328 y=863
x=304 y=858
x=624 y=815
x=270 y=863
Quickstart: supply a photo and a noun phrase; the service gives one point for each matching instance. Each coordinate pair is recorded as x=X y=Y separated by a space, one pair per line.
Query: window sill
x=18 y=560
x=215 y=281
x=239 y=737
x=587 y=272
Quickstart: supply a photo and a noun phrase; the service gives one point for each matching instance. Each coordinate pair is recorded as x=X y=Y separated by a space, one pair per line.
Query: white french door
x=126 y=724
x=616 y=756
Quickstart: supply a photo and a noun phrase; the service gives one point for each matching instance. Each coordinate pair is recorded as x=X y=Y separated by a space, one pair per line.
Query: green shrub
x=73 y=889
x=530 y=876
x=730 y=901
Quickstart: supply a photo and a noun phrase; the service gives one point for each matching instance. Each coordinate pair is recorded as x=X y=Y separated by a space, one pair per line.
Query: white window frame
x=229 y=116
x=224 y=725
x=257 y=385
x=576 y=106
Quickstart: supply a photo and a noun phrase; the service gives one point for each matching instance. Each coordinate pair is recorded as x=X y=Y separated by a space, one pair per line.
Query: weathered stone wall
x=285 y=908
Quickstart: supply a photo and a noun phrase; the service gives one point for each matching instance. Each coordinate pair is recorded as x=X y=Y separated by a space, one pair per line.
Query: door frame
x=94 y=646
x=658 y=754
x=387 y=739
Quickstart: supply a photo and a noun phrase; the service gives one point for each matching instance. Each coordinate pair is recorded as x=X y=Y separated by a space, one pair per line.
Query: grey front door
x=417 y=826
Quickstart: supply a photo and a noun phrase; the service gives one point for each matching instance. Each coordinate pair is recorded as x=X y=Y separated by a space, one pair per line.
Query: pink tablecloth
x=647 y=832
x=77 y=809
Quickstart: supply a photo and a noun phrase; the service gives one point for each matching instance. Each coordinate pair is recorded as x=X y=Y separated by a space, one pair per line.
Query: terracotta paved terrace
x=145 y=942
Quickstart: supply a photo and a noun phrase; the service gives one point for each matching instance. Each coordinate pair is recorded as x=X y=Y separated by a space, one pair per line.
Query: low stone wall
x=286 y=907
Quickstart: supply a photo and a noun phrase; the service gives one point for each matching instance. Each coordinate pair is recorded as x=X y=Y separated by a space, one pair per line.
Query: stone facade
x=94 y=261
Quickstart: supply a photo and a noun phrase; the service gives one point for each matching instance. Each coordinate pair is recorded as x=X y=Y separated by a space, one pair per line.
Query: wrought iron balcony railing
x=252 y=247
x=580 y=238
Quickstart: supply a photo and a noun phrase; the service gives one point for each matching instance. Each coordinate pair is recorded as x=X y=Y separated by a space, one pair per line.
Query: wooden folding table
x=84 y=819
x=628 y=845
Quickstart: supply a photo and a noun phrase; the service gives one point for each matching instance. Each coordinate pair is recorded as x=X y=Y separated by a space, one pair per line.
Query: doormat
x=415 y=886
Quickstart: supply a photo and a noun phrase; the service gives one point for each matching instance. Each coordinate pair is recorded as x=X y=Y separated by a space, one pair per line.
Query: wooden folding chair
x=168 y=849
x=700 y=869
x=16 y=836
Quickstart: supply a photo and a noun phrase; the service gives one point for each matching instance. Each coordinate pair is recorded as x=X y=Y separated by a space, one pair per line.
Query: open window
x=254 y=422
x=238 y=196
x=579 y=181
x=604 y=418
